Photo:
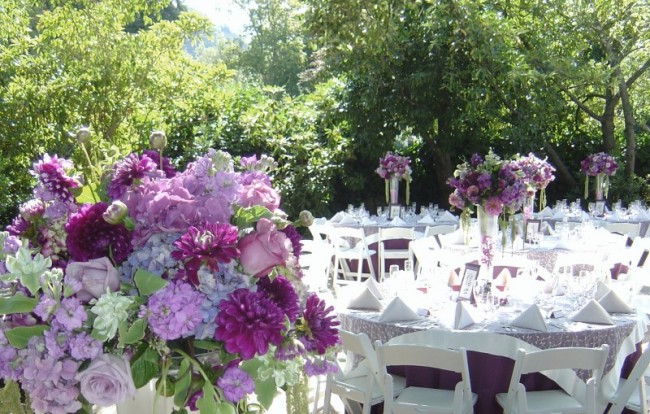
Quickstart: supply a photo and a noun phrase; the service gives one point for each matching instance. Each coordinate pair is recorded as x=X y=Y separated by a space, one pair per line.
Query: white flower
x=111 y=311
x=27 y=268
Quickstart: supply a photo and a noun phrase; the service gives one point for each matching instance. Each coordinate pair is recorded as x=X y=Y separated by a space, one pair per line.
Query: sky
x=221 y=13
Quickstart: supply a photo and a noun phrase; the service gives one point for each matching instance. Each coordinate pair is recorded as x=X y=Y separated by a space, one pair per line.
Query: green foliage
x=629 y=189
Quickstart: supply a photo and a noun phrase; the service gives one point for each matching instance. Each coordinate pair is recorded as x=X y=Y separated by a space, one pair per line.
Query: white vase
x=146 y=401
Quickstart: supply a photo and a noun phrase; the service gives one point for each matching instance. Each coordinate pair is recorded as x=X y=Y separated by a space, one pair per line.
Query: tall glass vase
x=488 y=227
x=529 y=205
x=394 y=189
x=601 y=184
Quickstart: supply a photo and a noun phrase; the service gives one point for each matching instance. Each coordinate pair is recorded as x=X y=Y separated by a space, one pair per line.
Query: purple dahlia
x=282 y=293
x=53 y=181
x=293 y=236
x=91 y=237
x=126 y=172
x=248 y=322
x=167 y=167
x=209 y=244
x=319 y=325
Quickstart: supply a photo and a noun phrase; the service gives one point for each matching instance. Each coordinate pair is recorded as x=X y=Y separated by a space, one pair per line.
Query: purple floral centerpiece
x=393 y=168
x=493 y=186
x=189 y=277
x=537 y=174
x=600 y=166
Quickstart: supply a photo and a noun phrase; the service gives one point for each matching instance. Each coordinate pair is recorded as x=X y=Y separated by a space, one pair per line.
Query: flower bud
x=221 y=161
x=83 y=135
x=306 y=218
x=32 y=209
x=115 y=213
x=157 y=140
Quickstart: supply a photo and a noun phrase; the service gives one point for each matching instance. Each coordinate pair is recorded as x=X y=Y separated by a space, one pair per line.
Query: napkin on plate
x=463 y=317
x=563 y=245
x=397 y=222
x=447 y=216
x=613 y=217
x=559 y=215
x=613 y=303
x=601 y=290
x=593 y=312
x=347 y=219
x=547 y=212
x=398 y=310
x=546 y=228
x=365 y=300
x=642 y=215
x=337 y=217
x=531 y=318
x=426 y=220
x=365 y=221
x=373 y=286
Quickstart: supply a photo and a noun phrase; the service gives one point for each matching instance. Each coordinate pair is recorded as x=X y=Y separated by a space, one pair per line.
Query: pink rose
x=107 y=381
x=95 y=276
x=263 y=249
x=259 y=193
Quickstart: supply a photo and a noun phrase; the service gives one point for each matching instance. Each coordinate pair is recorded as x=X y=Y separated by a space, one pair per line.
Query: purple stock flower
x=53 y=181
x=70 y=315
x=83 y=346
x=248 y=322
x=315 y=367
x=91 y=237
x=236 y=384
x=282 y=293
x=209 y=244
x=293 y=236
x=599 y=163
x=319 y=325
x=126 y=172
x=175 y=310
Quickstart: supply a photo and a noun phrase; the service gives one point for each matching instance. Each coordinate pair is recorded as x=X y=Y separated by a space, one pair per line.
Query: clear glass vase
x=488 y=226
x=393 y=190
x=529 y=205
x=600 y=189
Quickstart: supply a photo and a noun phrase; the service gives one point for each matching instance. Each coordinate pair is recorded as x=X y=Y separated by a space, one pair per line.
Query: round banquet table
x=492 y=347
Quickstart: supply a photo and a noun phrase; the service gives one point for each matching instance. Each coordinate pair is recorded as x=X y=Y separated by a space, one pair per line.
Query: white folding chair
x=422 y=255
x=631 y=392
x=521 y=401
x=350 y=244
x=460 y=400
x=320 y=229
x=357 y=381
x=316 y=263
x=436 y=231
x=385 y=253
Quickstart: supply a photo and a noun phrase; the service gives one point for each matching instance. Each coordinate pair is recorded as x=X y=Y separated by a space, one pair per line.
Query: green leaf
x=18 y=303
x=207 y=345
x=265 y=390
x=135 y=332
x=31 y=281
x=226 y=408
x=144 y=367
x=182 y=386
x=88 y=194
x=166 y=388
x=18 y=337
x=147 y=282
x=208 y=403
x=245 y=217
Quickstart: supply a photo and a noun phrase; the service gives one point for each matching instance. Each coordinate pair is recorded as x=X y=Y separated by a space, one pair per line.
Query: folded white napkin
x=463 y=317
x=531 y=318
x=518 y=244
x=365 y=300
x=584 y=216
x=347 y=219
x=547 y=212
x=366 y=221
x=398 y=310
x=563 y=245
x=559 y=215
x=547 y=229
x=593 y=312
x=613 y=217
x=397 y=221
x=373 y=286
x=337 y=217
x=642 y=215
x=447 y=216
x=503 y=277
x=426 y=220
x=613 y=303
x=601 y=290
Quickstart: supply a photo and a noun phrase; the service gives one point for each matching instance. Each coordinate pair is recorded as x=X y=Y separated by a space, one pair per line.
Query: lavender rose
x=107 y=381
x=263 y=249
x=259 y=193
x=95 y=276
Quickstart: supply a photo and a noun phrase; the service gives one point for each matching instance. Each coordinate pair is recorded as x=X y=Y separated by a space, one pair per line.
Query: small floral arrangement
x=397 y=167
x=190 y=278
x=490 y=182
x=600 y=165
x=537 y=175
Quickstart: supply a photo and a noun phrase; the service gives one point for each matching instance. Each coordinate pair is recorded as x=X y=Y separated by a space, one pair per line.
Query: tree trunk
x=443 y=166
x=563 y=172
x=630 y=138
x=607 y=123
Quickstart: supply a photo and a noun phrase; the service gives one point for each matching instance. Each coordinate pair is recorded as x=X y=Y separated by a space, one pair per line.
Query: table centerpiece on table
x=537 y=175
x=601 y=166
x=189 y=278
x=393 y=168
x=492 y=185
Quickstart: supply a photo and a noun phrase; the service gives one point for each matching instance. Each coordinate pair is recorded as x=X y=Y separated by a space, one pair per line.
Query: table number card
x=394 y=211
x=532 y=230
x=469 y=279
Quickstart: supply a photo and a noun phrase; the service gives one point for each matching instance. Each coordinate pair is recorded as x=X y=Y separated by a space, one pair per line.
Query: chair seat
x=353 y=388
x=547 y=401
x=354 y=252
x=426 y=398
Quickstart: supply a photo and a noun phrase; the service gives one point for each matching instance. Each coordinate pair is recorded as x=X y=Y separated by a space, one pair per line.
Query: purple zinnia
x=248 y=322
x=175 y=310
x=236 y=384
x=126 y=172
x=208 y=244
x=53 y=181
x=282 y=293
x=319 y=325
x=91 y=237
x=167 y=167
